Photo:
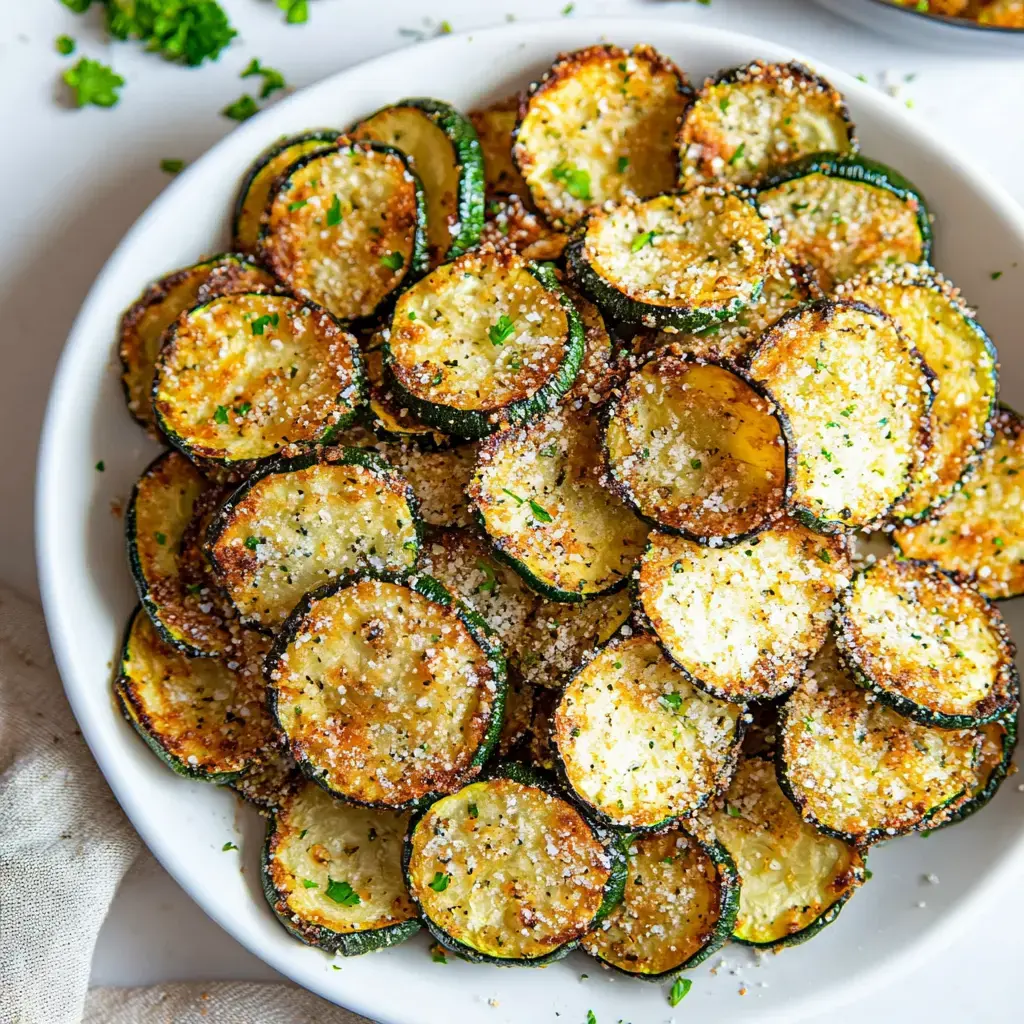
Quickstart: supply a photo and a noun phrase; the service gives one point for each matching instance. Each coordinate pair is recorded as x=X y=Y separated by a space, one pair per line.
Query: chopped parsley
x=393 y=261
x=342 y=892
x=567 y=10
x=680 y=987
x=641 y=241
x=64 y=45
x=93 y=83
x=549 y=451
x=622 y=164
x=539 y=512
x=186 y=31
x=100 y=466
x=824 y=556
x=220 y=414
x=257 y=325
x=996 y=274
x=308 y=883
x=733 y=812
x=518 y=500
x=474 y=811
x=296 y=12
x=591 y=1019
x=737 y=154
x=228 y=846
x=489 y=583
x=575 y=180
x=297 y=205
x=440 y=881
x=160 y=538
x=272 y=79
x=242 y=109
x=437 y=955
x=500 y=332
x=171 y=166
x=674 y=701
x=334 y=212
x=252 y=543
x=695 y=463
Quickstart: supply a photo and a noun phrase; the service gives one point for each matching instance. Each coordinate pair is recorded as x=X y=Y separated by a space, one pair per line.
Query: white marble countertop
x=64 y=210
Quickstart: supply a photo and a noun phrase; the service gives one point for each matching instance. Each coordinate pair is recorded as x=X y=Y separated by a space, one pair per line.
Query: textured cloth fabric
x=64 y=847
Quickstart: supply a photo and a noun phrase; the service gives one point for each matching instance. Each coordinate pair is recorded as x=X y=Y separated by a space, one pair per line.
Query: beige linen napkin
x=64 y=848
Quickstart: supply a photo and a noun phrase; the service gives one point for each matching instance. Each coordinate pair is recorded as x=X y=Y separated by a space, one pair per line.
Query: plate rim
x=931 y=939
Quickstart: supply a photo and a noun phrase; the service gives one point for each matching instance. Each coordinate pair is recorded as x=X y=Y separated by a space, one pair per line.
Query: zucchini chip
x=144 y=322
x=857 y=770
x=443 y=149
x=257 y=185
x=332 y=873
x=270 y=781
x=599 y=371
x=678 y=908
x=795 y=879
x=558 y=636
x=387 y=689
x=485 y=340
x=346 y=228
x=932 y=315
x=743 y=621
x=998 y=743
x=846 y=215
x=388 y=418
x=696 y=450
x=245 y=376
x=638 y=745
x=203 y=717
x=296 y=524
x=438 y=480
x=929 y=645
x=600 y=126
x=462 y=561
x=159 y=514
x=509 y=223
x=749 y=120
x=518 y=715
x=537 y=491
x=785 y=287
x=507 y=872
x=495 y=126
x=979 y=532
x=681 y=261
x=853 y=397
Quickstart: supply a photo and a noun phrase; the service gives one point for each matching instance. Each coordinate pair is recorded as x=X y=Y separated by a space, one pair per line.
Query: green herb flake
x=474 y=811
x=297 y=205
x=342 y=892
x=252 y=543
x=518 y=500
x=101 y=466
x=539 y=512
x=64 y=45
x=296 y=12
x=228 y=846
x=242 y=109
x=184 y=31
x=93 y=83
x=567 y=10
x=437 y=955
x=267 y=320
x=172 y=166
x=490 y=582
x=641 y=241
x=824 y=556
x=737 y=154
x=440 y=881
x=272 y=79
x=220 y=414
x=996 y=274
x=500 y=332
x=334 y=213
x=621 y=164
x=680 y=988
x=673 y=701
x=160 y=538
x=393 y=261
x=308 y=883
x=549 y=451
x=695 y=463
x=575 y=180
x=591 y=1019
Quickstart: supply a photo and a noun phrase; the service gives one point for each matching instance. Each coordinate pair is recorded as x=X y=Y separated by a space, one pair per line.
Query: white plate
x=87 y=591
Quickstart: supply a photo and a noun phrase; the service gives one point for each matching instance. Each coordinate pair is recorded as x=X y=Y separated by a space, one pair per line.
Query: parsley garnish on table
x=94 y=83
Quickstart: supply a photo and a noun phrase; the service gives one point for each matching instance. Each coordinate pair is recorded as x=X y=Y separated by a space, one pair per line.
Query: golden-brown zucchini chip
x=387 y=691
x=857 y=770
x=245 y=376
x=494 y=128
x=681 y=261
x=511 y=223
x=935 y=320
x=270 y=780
x=185 y=613
x=752 y=119
x=600 y=126
x=518 y=715
x=484 y=340
x=438 y=480
x=853 y=397
x=205 y=718
x=346 y=227
x=506 y=871
x=695 y=449
x=678 y=907
x=332 y=873
x=638 y=744
x=929 y=645
x=145 y=321
x=845 y=216
x=537 y=490
x=299 y=523
x=979 y=532
x=743 y=621
x=795 y=879
x=599 y=372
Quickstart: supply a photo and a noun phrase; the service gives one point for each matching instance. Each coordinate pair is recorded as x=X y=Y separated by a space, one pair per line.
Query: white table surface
x=73 y=182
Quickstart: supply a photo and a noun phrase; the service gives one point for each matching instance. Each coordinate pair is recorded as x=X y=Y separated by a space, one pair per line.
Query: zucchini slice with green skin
x=927 y=644
x=845 y=215
x=786 y=287
x=637 y=744
x=932 y=315
x=495 y=127
x=259 y=181
x=388 y=689
x=600 y=126
x=247 y=377
x=332 y=873
x=795 y=879
x=979 y=532
x=558 y=636
x=537 y=492
x=858 y=771
x=678 y=909
x=144 y=322
x=681 y=261
x=443 y=149
x=506 y=871
x=438 y=480
x=486 y=340
x=269 y=782
x=743 y=621
x=853 y=396
x=346 y=228
x=159 y=514
x=202 y=718
x=998 y=743
x=299 y=523
x=696 y=450
x=747 y=121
